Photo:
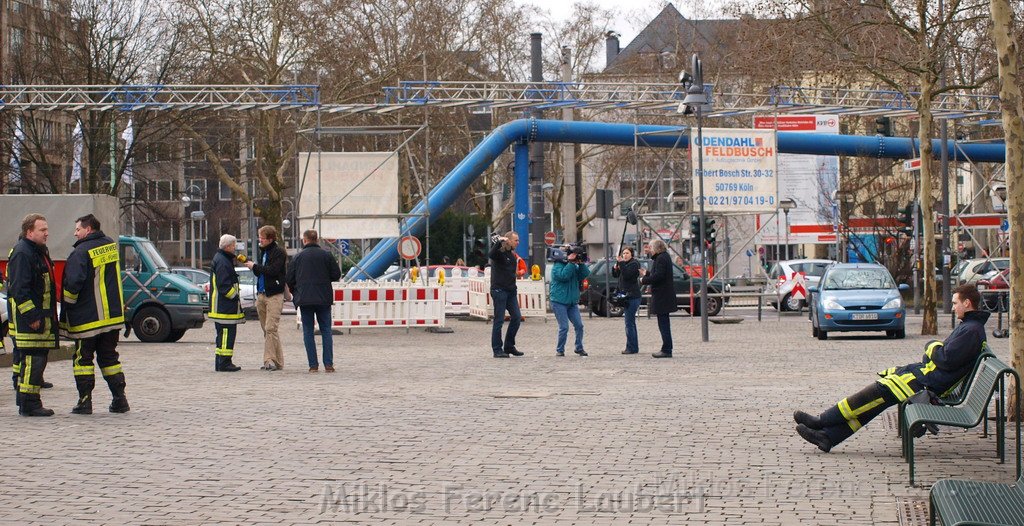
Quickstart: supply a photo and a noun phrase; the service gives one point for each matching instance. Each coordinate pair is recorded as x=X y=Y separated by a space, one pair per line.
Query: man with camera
x=566 y=280
x=504 y=294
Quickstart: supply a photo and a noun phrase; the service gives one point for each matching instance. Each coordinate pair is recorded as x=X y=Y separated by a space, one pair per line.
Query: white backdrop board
x=739 y=170
x=350 y=183
x=809 y=180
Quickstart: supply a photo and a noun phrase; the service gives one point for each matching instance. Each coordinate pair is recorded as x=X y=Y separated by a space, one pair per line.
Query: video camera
x=561 y=254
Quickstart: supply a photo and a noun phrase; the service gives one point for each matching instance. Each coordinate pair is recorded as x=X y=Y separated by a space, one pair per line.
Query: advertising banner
x=350 y=183
x=739 y=170
x=809 y=180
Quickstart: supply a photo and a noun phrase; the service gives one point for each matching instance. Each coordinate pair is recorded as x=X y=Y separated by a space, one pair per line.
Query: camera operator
x=663 y=294
x=504 y=294
x=627 y=269
x=566 y=280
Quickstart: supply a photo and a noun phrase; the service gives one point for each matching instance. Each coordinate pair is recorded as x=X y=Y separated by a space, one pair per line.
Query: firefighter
x=943 y=366
x=92 y=312
x=225 y=304
x=32 y=302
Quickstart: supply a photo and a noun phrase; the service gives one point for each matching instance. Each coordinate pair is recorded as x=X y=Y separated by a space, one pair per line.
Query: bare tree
x=1010 y=80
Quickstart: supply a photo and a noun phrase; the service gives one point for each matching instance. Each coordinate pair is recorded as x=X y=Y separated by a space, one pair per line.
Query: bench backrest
x=955 y=395
x=984 y=384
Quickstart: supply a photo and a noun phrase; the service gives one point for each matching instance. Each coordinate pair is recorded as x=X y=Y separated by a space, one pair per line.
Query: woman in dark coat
x=627 y=269
x=663 y=294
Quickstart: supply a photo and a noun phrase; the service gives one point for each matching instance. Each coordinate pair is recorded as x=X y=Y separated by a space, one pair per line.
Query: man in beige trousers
x=270 y=269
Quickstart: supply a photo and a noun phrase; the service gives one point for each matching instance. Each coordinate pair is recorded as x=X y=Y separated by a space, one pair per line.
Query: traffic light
x=709 y=230
x=695 y=227
x=906 y=219
x=883 y=126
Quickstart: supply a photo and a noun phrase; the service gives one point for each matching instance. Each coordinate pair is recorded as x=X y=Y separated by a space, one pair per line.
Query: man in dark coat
x=943 y=366
x=92 y=313
x=504 y=294
x=225 y=303
x=270 y=274
x=32 y=304
x=663 y=293
x=309 y=277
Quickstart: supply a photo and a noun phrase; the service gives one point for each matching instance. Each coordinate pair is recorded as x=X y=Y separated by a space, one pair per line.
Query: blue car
x=857 y=297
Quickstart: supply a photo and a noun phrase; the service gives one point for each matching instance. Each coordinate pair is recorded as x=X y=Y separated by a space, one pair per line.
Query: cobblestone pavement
x=424 y=428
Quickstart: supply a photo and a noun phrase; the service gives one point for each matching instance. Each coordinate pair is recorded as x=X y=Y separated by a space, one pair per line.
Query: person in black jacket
x=627 y=269
x=943 y=366
x=92 y=313
x=270 y=274
x=309 y=277
x=32 y=304
x=504 y=294
x=225 y=303
x=663 y=293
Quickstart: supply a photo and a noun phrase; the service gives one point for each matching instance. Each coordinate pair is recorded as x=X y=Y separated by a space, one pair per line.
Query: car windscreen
x=815 y=269
x=858 y=278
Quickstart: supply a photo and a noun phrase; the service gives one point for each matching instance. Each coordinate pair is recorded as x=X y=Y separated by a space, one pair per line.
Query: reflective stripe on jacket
x=93 y=298
x=32 y=296
x=225 y=304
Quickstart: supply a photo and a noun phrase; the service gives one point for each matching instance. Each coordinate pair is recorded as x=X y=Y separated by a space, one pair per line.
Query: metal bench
x=971 y=412
x=963 y=502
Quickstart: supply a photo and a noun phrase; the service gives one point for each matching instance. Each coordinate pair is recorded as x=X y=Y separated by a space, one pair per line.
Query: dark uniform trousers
x=102 y=348
x=845 y=418
x=225 y=340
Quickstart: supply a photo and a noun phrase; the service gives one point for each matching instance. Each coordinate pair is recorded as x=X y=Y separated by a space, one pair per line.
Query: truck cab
x=159 y=305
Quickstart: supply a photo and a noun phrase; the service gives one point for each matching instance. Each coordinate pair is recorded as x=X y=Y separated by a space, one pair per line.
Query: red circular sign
x=409 y=247
x=549 y=238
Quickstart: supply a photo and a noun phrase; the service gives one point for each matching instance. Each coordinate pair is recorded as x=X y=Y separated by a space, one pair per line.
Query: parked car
x=995 y=291
x=972 y=270
x=247 y=292
x=400 y=274
x=600 y=272
x=198 y=277
x=857 y=297
x=780 y=284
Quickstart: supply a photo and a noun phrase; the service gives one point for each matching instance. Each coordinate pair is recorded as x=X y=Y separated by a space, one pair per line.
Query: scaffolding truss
x=159 y=97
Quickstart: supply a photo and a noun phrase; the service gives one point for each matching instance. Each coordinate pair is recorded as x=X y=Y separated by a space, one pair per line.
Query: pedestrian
x=943 y=366
x=627 y=269
x=663 y=293
x=504 y=294
x=92 y=313
x=309 y=277
x=32 y=302
x=270 y=275
x=566 y=280
x=225 y=303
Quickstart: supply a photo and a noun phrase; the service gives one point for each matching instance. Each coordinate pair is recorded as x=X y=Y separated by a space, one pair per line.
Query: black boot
x=31 y=405
x=85 y=385
x=662 y=354
x=116 y=382
x=810 y=421
x=815 y=436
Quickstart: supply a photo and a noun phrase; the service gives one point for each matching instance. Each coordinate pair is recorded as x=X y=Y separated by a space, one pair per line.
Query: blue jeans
x=632 y=307
x=666 y=333
x=505 y=301
x=323 y=318
x=566 y=313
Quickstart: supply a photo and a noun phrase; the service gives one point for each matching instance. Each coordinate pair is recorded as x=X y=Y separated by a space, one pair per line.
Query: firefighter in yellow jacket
x=32 y=304
x=92 y=313
x=225 y=304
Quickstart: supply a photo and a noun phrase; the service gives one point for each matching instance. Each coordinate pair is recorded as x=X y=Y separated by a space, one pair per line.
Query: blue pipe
x=522 y=131
x=521 y=217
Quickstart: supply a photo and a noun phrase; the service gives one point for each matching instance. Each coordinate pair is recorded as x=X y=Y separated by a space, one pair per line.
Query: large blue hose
x=377 y=260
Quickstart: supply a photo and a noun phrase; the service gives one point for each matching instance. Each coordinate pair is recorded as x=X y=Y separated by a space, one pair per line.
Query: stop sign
x=549 y=238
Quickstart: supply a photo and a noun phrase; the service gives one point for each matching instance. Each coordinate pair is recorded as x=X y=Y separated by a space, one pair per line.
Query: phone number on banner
x=739 y=200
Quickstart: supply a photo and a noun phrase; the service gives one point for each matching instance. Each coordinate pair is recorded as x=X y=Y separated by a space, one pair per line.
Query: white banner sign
x=739 y=170
x=809 y=180
x=364 y=184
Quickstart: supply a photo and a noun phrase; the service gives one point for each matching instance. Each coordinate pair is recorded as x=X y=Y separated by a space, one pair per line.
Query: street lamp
x=696 y=101
x=549 y=187
x=286 y=224
x=196 y=215
x=786 y=205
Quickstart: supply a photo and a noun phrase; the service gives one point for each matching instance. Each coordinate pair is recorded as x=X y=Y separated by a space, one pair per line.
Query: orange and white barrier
x=531 y=294
x=386 y=304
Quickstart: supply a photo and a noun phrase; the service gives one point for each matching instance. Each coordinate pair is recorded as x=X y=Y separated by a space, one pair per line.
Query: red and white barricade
x=531 y=294
x=386 y=304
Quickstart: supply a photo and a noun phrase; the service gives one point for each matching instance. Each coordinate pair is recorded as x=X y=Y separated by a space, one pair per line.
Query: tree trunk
x=1013 y=129
x=929 y=322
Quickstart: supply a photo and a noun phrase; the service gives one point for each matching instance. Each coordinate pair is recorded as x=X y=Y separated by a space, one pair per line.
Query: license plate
x=864 y=316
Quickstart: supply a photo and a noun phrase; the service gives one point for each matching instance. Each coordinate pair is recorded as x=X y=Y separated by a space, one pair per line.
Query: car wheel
x=822 y=335
x=901 y=334
x=152 y=324
x=614 y=311
x=789 y=303
x=714 y=305
x=175 y=335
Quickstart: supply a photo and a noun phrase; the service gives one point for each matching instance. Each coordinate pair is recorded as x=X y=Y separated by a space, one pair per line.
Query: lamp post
x=196 y=215
x=548 y=187
x=786 y=205
x=286 y=223
x=696 y=101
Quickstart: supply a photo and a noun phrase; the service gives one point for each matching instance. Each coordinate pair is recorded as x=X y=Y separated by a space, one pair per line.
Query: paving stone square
x=424 y=428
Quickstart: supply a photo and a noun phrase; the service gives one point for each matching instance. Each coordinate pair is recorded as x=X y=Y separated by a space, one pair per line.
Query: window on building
x=164 y=191
x=869 y=209
x=224 y=193
x=17 y=37
x=140 y=188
